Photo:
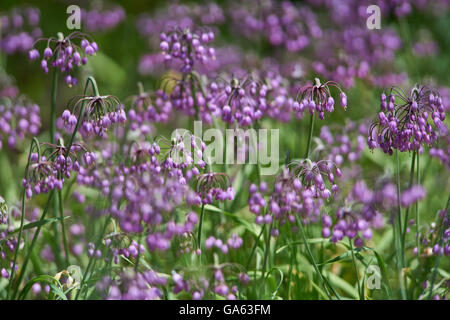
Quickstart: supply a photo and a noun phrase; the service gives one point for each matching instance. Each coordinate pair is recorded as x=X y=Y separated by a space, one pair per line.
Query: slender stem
x=34 y=143
x=356 y=270
x=400 y=249
x=53 y=106
x=311 y=129
x=64 y=236
x=52 y=140
x=441 y=243
x=325 y=283
x=33 y=242
x=91 y=259
x=254 y=248
x=411 y=180
x=266 y=254
x=417 y=211
x=200 y=226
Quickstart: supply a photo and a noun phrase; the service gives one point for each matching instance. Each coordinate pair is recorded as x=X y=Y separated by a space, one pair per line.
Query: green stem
x=311 y=129
x=200 y=226
x=91 y=259
x=325 y=282
x=400 y=249
x=417 y=210
x=34 y=143
x=266 y=255
x=441 y=243
x=53 y=106
x=64 y=236
x=254 y=248
x=411 y=180
x=52 y=140
x=361 y=297
x=33 y=242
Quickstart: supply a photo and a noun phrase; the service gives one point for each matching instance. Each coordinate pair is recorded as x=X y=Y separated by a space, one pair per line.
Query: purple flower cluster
x=19 y=28
x=46 y=173
x=355 y=220
x=187 y=46
x=412 y=195
x=65 y=54
x=300 y=191
x=180 y=15
x=281 y=23
x=145 y=111
x=343 y=146
x=18 y=119
x=214 y=186
x=317 y=98
x=405 y=126
x=239 y=101
x=132 y=285
x=102 y=19
x=100 y=113
x=234 y=242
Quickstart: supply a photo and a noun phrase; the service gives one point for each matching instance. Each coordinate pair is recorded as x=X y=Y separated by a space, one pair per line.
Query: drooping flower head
x=403 y=122
x=214 y=186
x=317 y=98
x=100 y=112
x=65 y=54
x=49 y=169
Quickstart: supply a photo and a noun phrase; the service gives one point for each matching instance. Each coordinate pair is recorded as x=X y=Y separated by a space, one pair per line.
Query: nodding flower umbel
x=317 y=98
x=99 y=113
x=187 y=46
x=403 y=122
x=214 y=186
x=49 y=170
x=65 y=53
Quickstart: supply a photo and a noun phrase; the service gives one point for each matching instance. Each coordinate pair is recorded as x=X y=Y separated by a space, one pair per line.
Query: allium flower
x=214 y=186
x=300 y=189
x=18 y=119
x=317 y=98
x=100 y=112
x=49 y=170
x=403 y=122
x=187 y=46
x=65 y=54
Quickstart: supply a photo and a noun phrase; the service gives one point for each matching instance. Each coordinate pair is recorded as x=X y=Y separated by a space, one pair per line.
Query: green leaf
x=38 y=223
x=51 y=281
